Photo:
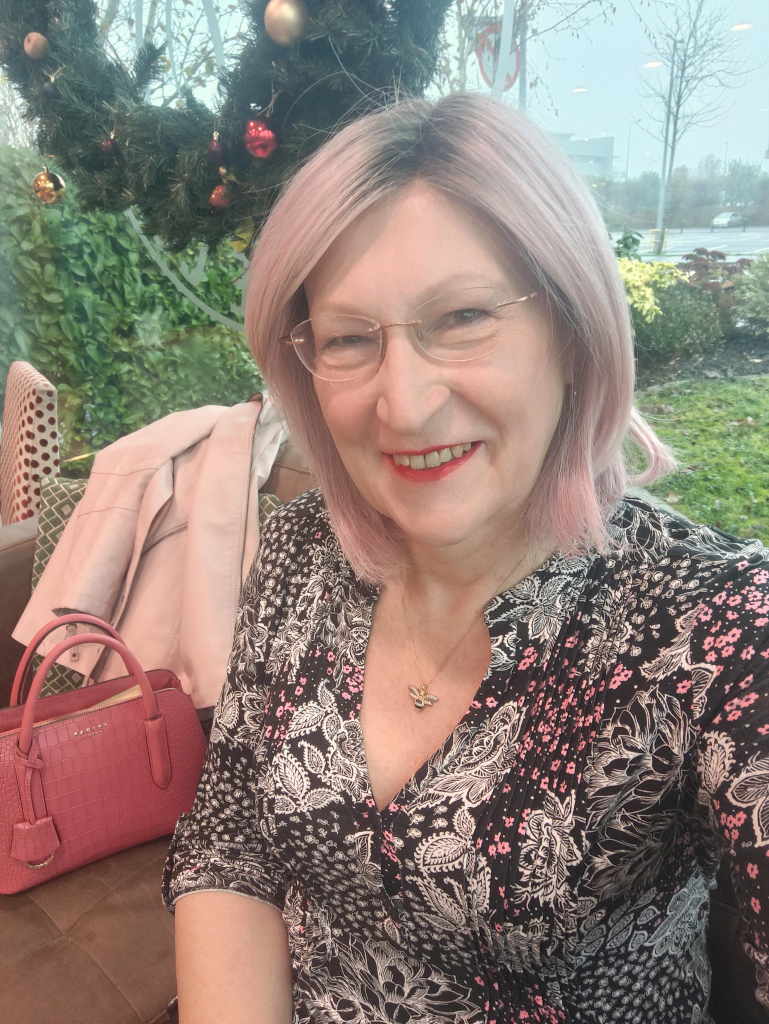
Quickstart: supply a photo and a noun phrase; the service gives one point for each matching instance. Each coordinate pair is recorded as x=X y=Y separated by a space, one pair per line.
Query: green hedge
x=688 y=323
x=81 y=299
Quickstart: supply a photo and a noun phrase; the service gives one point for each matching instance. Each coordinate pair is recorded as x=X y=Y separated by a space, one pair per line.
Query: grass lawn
x=719 y=431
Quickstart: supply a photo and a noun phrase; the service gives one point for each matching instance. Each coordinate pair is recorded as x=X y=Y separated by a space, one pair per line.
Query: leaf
x=441 y=852
x=673 y=498
x=314 y=760
x=292 y=777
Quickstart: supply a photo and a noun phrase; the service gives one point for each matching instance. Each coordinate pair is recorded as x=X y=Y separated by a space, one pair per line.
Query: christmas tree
x=194 y=173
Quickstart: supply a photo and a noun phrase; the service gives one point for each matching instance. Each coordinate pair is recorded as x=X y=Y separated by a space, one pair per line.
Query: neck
x=468 y=575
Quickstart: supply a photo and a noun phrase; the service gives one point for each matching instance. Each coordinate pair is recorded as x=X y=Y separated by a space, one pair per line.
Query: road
x=733 y=241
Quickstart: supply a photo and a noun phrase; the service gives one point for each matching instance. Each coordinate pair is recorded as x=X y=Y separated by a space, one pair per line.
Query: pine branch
x=354 y=56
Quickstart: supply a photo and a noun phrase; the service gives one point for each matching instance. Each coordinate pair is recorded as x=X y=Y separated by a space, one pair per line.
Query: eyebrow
x=440 y=287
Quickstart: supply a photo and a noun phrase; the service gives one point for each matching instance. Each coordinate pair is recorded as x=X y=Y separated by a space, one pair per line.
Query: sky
x=607 y=60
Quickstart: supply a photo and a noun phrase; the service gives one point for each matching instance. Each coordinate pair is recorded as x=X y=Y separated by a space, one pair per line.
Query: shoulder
x=713 y=585
x=300 y=523
x=298 y=546
x=665 y=541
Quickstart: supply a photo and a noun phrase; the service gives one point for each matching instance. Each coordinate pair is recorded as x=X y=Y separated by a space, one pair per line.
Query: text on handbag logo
x=92 y=730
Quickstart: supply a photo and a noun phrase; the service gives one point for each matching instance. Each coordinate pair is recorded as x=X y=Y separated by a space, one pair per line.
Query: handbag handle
x=19 y=680
x=154 y=726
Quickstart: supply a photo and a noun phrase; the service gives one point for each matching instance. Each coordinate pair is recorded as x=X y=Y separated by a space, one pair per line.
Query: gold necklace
x=421 y=697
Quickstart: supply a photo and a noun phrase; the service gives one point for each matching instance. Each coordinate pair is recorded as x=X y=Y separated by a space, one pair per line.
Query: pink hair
x=484 y=154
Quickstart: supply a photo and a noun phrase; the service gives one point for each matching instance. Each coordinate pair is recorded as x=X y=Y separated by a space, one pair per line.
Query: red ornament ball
x=220 y=198
x=35 y=45
x=261 y=139
x=215 y=150
x=108 y=147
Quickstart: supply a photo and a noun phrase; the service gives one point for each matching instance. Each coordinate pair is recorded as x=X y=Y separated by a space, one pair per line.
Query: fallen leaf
x=673 y=498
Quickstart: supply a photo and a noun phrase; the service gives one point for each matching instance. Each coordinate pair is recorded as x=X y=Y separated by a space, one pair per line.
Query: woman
x=517 y=811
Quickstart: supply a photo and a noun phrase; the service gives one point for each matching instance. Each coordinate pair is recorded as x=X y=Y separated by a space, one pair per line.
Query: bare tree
x=693 y=42
x=199 y=36
x=458 y=68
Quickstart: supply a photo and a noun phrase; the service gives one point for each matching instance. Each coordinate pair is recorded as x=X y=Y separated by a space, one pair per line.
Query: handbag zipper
x=85 y=711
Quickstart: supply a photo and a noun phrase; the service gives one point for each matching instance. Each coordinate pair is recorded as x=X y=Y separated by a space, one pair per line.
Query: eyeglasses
x=456 y=327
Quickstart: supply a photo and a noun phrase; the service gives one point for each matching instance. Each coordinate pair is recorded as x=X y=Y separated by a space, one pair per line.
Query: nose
x=410 y=390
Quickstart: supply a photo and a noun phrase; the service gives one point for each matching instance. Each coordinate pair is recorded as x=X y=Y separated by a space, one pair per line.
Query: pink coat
x=161 y=542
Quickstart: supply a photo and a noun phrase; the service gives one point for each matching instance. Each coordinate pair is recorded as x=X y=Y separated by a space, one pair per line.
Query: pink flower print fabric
x=552 y=861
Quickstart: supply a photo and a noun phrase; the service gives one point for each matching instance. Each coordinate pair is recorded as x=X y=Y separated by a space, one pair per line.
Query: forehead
x=407 y=249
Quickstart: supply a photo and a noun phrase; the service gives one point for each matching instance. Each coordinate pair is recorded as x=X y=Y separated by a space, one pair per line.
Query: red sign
x=487 y=52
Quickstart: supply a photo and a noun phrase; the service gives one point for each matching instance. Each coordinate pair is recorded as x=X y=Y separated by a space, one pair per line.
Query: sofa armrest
x=17 y=553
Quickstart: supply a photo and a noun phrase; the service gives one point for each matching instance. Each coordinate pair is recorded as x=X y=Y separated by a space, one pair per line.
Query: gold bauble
x=49 y=187
x=286 y=21
x=35 y=45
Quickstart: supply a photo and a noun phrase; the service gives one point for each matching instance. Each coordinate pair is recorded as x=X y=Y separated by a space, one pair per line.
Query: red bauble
x=261 y=139
x=215 y=150
x=220 y=198
x=109 y=147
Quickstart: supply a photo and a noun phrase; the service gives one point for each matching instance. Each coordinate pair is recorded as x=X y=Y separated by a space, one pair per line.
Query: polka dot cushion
x=29 y=445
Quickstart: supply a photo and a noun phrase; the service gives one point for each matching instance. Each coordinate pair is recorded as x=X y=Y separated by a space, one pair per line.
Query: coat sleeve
x=220 y=844
x=730 y=651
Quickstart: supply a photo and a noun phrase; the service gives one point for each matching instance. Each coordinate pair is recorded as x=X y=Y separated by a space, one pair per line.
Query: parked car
x=728 y=220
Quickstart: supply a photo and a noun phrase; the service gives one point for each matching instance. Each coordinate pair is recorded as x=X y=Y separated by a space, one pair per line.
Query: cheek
x=348 y=414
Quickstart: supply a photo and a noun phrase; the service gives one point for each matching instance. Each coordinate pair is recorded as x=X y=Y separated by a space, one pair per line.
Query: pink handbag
x=87 y=773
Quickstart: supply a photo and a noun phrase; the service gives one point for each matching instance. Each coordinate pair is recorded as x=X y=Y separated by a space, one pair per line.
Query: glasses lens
x=337 y=347
x=463 y=324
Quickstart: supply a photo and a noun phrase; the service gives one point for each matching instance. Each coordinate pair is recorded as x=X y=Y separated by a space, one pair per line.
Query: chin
x=441 y=531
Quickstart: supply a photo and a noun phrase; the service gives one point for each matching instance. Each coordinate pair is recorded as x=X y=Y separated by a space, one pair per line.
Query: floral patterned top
x=553 y=860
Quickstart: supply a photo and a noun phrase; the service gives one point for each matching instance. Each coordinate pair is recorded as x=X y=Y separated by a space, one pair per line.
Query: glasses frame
x=288 y=339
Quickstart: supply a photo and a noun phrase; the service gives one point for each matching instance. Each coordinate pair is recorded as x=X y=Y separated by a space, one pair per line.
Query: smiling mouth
x=434 y=458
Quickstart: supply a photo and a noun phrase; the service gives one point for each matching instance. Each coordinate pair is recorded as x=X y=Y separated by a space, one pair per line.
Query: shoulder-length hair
x=485 y=155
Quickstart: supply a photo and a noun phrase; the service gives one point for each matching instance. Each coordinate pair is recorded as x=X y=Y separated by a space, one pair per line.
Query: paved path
x=733 y=241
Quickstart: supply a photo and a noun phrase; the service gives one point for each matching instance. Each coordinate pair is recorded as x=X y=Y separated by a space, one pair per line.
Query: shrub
x=750 y=295
x=687 y=323
x=710 y=271
x=628 y=245
x=81 y=299
x=643 y=283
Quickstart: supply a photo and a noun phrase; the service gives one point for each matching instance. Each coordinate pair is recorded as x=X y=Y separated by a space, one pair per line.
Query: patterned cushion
x=267 y=505
x=30 y=441
x=58 y=498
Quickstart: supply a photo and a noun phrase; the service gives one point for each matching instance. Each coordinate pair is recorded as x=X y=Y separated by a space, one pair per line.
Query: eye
x=462 y=317
x=346 y=341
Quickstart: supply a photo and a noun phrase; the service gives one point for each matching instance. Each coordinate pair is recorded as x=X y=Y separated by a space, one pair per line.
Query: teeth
x=434 y=458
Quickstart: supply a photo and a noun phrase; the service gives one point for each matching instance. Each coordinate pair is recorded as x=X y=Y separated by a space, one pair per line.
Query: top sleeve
x=730 y=661
x=219 y=845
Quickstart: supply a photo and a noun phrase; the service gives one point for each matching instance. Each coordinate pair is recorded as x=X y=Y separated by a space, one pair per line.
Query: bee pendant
x=421 y=698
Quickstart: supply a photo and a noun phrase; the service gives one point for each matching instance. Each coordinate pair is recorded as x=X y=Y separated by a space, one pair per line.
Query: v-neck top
x=552 y=861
